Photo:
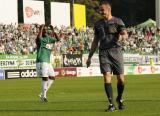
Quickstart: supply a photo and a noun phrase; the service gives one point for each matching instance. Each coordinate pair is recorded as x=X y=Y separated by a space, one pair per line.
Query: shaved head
x=105 y=9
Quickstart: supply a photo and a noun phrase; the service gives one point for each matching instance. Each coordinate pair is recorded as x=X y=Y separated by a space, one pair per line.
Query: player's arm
x=40 y=32
x=123 y=34
x=93 y=49
x=56 y=36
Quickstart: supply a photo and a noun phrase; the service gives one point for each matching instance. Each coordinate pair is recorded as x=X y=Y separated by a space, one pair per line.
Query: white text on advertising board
x=29 y=73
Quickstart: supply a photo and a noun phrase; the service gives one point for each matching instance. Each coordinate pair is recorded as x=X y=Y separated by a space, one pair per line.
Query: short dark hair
x=105 y=2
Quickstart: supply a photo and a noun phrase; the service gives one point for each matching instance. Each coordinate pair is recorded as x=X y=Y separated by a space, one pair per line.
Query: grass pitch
x=79 y=97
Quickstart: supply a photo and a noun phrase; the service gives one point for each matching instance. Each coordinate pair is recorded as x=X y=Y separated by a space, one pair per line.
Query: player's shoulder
x=118 y=20
x=48 y=37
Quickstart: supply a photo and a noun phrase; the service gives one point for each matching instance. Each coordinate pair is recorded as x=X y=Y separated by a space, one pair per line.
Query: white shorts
x=44 y=69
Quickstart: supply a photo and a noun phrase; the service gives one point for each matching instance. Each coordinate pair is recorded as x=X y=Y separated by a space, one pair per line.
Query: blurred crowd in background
x=21 y=40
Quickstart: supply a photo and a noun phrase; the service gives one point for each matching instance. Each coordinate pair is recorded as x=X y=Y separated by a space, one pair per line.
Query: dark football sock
x=109 y=92
x=120 y=89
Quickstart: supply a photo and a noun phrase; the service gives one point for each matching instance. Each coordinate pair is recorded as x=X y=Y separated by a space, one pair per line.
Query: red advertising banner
x=65 y=72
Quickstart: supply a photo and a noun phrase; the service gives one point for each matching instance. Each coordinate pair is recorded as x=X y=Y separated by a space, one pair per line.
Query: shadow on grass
x=56 y=110
x=80 y=101
x=67 y=109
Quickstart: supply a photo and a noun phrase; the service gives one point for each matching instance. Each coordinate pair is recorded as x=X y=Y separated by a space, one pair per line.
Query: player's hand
x=51 y=27
x=88 y=62
x=123 y=35
x=41 y=27
x=120 y=39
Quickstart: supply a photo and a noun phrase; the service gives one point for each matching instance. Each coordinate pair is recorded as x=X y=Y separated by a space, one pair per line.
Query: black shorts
x=111 y=60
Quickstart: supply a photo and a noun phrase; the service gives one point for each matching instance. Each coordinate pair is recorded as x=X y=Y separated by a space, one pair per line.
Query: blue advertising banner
x=2 y=75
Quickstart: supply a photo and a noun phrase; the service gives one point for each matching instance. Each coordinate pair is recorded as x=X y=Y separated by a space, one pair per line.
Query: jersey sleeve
x=95 y=31
x=121 y=26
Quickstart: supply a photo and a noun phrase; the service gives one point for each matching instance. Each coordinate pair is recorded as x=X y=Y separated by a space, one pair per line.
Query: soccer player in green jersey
x=44 y=68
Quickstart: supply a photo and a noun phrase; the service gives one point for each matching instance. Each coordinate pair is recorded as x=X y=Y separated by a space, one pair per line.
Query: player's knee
x=107 y=74
x=52 y=77
x=107 y=77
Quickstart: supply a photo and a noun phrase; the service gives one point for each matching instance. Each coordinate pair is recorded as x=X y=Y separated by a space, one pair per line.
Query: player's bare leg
x=109 y=91
x=120 y=89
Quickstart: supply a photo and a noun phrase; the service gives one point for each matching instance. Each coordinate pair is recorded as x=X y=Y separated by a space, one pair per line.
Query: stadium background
x=144 y=9
x=18 y=49
x=18 y=29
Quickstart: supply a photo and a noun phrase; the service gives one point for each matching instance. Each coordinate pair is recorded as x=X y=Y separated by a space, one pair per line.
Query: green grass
x=79 y=97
